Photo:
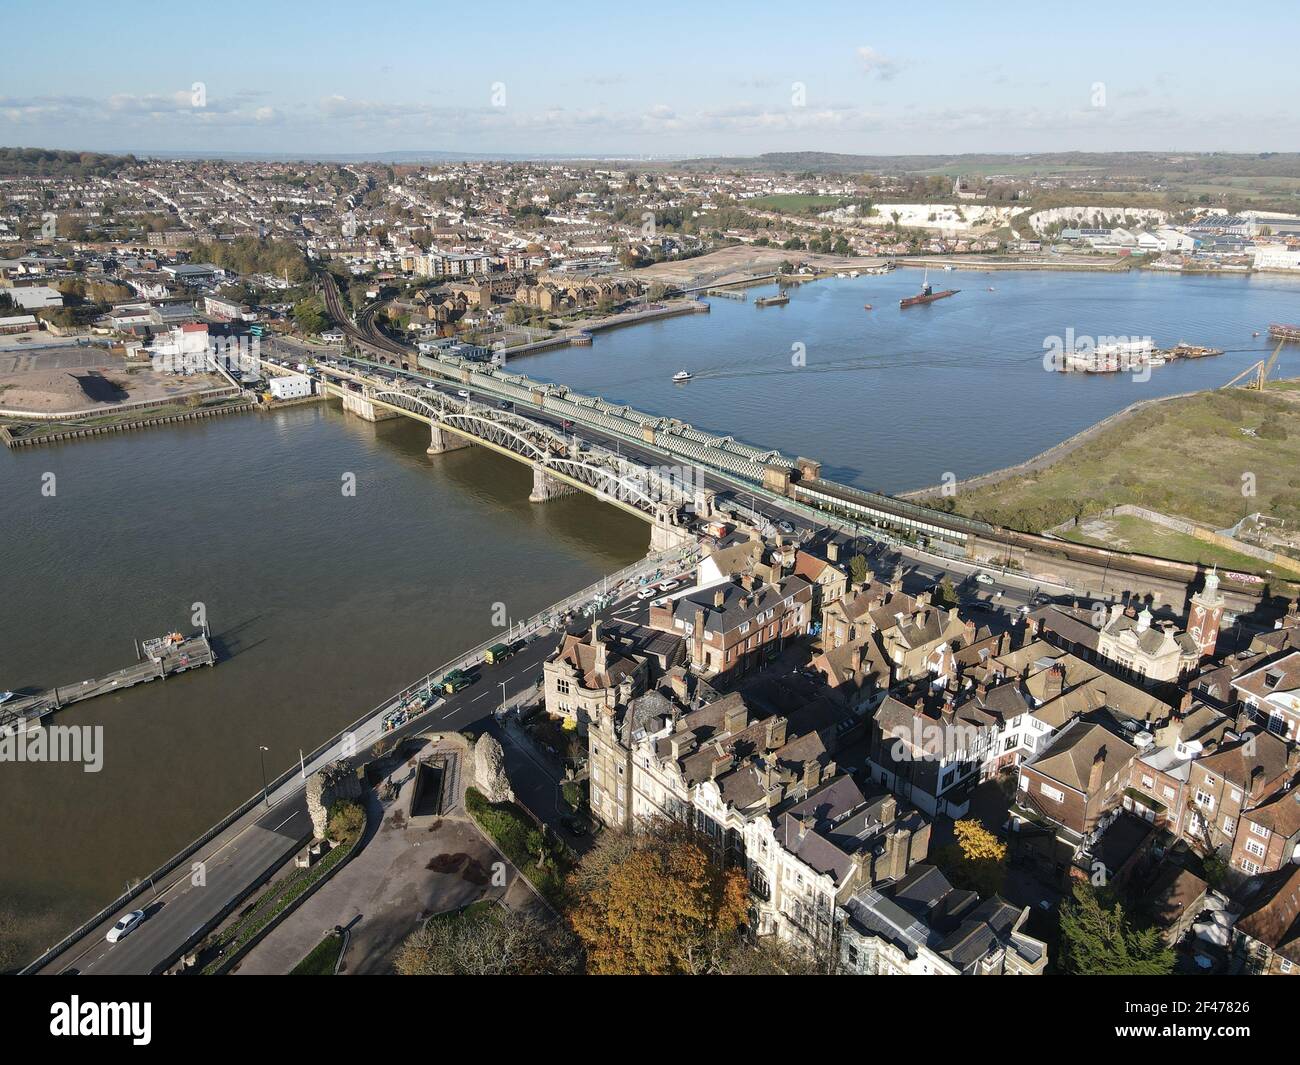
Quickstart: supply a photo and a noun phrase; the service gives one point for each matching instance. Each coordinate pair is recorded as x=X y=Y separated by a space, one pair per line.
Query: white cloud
x=876 y=65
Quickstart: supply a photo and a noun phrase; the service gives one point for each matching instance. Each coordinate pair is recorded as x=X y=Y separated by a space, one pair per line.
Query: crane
x=1257 y=372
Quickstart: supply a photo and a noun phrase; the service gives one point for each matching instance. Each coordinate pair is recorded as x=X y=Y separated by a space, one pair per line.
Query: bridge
x=790 y=489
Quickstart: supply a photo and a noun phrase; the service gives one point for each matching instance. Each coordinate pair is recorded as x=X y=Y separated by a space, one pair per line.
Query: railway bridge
x=667 y=496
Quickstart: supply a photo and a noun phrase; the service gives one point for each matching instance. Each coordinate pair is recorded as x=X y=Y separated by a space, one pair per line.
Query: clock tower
x=1206 y=615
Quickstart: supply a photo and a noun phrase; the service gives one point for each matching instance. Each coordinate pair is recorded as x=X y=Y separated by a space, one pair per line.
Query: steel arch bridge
x=603 y=473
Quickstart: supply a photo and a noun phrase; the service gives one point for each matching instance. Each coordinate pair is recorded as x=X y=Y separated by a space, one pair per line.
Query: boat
x=927 y=294
x=866 y=306
x=683 y=375
x=772 y=301
x=854 y=273
x=6 y=696
x=1284 y=332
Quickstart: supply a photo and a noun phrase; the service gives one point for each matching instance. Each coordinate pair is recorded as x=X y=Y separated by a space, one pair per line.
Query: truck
x=498 y=652
x=455 y=680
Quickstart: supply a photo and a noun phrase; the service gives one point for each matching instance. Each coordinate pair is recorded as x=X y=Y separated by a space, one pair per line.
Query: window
x=1249 y=868
x=1259 y=830
x=1148 y=781
x=1235 y=793
x=1169 y=792
x=1204 y=799
x=1055 y=794
x=1229 y=826
x=562 y=686
x=1256 y=848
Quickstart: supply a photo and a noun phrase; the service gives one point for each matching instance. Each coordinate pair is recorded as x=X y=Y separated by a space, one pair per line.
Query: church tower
x=1206 y=615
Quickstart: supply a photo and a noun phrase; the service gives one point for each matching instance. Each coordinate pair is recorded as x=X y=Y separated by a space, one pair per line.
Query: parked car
x=648 y=592
x=575 y=826
x=125 y=926
x=785 y=527
x=984 y=578
x=455 y=680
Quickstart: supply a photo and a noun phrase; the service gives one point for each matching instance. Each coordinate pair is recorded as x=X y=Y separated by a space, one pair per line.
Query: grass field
x=793 y=203
x=1129 y=533
x=1199 y=457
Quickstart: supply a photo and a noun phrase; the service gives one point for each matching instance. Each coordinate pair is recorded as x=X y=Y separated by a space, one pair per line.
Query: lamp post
x=261 y=753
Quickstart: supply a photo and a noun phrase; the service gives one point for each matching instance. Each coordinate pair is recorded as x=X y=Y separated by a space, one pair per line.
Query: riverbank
x=1195 y=462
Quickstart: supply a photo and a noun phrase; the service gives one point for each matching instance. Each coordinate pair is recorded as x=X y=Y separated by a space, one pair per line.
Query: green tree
x=1098 y=939
x=859 y=571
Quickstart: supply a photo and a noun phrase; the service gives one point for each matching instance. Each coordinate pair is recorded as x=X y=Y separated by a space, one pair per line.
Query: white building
x=294 y=386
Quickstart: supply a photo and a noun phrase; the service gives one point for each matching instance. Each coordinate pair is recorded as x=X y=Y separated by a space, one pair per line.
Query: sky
x=664 y=80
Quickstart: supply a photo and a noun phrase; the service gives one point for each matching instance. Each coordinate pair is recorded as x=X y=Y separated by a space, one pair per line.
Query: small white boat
x=6 y=696
x=682 y=375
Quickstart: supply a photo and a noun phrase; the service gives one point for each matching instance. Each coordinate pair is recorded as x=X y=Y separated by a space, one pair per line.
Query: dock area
x=157 y=659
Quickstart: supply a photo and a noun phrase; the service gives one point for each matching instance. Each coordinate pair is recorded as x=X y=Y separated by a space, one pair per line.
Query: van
x=498 y=652
x=454 y=681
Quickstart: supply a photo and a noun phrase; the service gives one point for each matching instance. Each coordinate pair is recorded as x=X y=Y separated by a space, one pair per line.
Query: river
x=892 y=399
x=321 y=604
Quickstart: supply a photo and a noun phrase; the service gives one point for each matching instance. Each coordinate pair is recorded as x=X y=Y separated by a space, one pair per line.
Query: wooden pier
x=29 y=711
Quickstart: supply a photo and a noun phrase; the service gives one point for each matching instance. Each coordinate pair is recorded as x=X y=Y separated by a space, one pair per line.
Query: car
x=668 y=586
x=505 y=404
x=125 y=926
x=647 y=593
x=785 y=527
x=463 y=393
x=575 y=826
x=983 y=578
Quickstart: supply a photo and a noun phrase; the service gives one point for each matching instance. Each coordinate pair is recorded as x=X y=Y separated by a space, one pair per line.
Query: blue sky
x=689 y=79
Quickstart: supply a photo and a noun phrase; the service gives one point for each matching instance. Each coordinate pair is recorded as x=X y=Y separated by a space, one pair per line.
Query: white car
x=125 y=926
x=647 y=593
x=667 y=586
x=983 y=578
x=463 y=393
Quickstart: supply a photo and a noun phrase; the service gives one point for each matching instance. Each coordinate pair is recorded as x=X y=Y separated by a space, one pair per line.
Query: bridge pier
x=443 y=440
x=547 y=487
x=666 y=534
x=359 y=404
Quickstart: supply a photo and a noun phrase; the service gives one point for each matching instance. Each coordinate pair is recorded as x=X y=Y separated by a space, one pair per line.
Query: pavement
x=409 y=870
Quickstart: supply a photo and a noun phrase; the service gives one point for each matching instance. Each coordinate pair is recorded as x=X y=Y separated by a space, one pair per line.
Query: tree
x=347 y=821
x=487 y=940
x=977 y=862
x=657 y=903
x=1101 y=941
x=309 y=315
x=859 y=571
x=946 y=595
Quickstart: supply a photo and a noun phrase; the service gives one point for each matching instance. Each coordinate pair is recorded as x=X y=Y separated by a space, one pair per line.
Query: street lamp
x=261 y=753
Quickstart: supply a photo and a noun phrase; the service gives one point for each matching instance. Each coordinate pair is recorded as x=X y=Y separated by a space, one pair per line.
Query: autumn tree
x=1098 y=939
x=657 y=902
x=977 y=862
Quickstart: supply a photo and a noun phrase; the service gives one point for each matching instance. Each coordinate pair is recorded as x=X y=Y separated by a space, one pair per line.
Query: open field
x=1211 y=457
x=739 y=262
x=1128 y=533
x=64 y=380
x=793 y=202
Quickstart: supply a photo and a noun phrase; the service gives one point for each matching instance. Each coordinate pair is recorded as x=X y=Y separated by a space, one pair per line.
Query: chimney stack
x=1098 y=767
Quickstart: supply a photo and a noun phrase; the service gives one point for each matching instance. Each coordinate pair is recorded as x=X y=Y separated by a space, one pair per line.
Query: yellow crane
x=1258 y=372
